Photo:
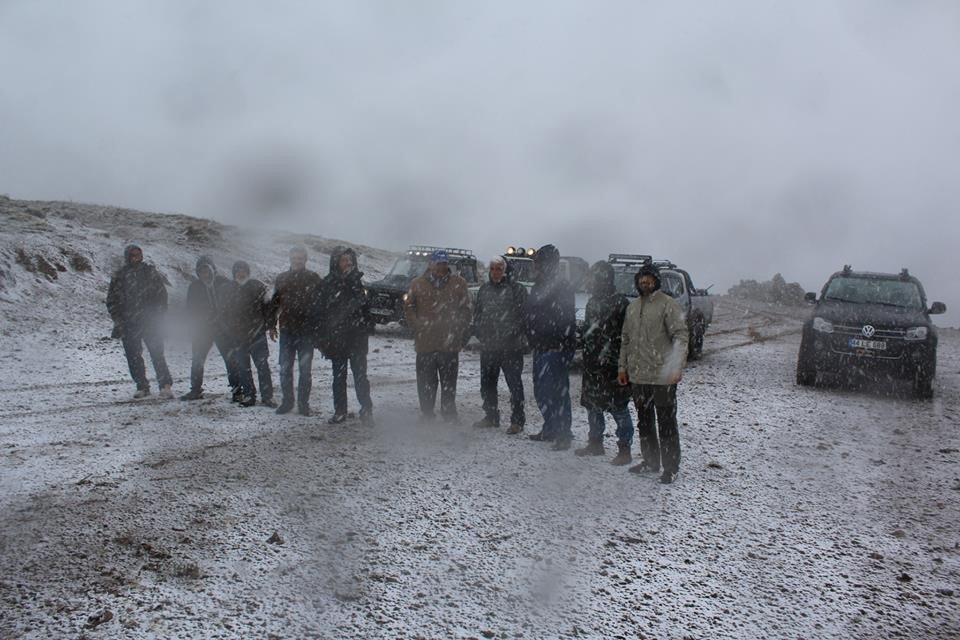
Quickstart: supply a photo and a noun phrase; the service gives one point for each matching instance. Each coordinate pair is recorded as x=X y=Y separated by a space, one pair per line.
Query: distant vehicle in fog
x=676 y=283
x=872 y=324
x=573 y=269
x=386 y=295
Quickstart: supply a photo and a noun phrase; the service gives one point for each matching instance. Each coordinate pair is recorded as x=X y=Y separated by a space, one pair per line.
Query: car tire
x=806 y=375
x=695 y=351
x=922 y=387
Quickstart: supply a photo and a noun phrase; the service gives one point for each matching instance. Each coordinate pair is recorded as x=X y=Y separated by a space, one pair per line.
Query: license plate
x=873 y=345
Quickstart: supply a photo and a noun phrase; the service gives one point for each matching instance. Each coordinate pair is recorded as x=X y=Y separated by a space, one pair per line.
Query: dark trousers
x=299 y=348
x=657 y=412
x=551 y=388
x=357 y=360
x=201 y=348
x=491 y=364
x=598 y=425
x=434 y=367
x=259 y=352
x=133 y=341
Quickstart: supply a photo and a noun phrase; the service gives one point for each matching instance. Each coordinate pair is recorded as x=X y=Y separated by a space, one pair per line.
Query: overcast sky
x=739 y=138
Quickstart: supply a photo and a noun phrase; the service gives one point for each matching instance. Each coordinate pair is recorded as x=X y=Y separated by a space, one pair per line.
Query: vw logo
x=868 y=331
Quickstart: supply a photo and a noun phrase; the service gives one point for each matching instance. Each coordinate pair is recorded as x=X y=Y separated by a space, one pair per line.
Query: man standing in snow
x=208 y=301
x=602 y=330
x=347 y=327
x=295 y=301
x=437 y=309
x=653 y=353
x=498 y=324
x=136 y=301
x=550 y=314
x=249 y=315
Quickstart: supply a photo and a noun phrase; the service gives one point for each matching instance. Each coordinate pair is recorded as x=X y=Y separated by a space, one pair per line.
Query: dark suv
x=871 y=324
x=386 y=296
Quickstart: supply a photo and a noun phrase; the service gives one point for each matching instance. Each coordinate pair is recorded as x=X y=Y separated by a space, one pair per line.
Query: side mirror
x=810 y=296
x=937 y=307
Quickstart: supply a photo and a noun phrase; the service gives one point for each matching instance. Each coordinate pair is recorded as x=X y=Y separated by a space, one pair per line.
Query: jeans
x=133 y=341
x=657 y=411
x=201 y=348
x=598 y=425
x=300 y=348
x=437 y=366
x=511 y=363
x=357 y=360
x=551 y=387
x=259 y=352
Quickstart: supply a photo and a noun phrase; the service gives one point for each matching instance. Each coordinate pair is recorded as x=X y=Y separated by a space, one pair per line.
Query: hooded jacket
x=345 y=308
x=498 y=316
x=210 y=305
x=550 y=310
x=250 y=310
x=137 y=295
x=295 y=302
x=654 y=339
x=603 y=326
x=438 y=312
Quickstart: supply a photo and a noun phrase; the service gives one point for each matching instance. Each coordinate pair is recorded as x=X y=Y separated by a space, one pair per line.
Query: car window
x=467 y=270
x=672 y=284
x=899 y=293
x=408 y=268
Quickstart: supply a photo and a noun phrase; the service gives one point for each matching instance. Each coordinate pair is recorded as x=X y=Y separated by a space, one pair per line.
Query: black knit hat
x=647 y=269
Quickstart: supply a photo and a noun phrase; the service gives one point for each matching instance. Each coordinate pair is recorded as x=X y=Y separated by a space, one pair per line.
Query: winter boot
x=285 y=407
x=667 y=477
x=542 y=437
x=237 y=395
x=486 y=423
x=247 y=401
x=304 y=410
x=562 y=444
x=593 y=448
x=142 y=393
x=514 y=429
x=366 y=417
x=623 y=456
x=644 y=467
x=166 y=393
x=268 y=402
x=193 y=394
x=337 y=418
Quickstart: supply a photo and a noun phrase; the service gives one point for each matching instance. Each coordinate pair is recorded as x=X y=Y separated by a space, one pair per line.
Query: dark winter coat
x=438 y=312
x=498 y=316
x=137 y=297
x=345 y=309
x=296 y=303
x=602 y=328
x=210 y=305
x=250 y=311
x=550 y=310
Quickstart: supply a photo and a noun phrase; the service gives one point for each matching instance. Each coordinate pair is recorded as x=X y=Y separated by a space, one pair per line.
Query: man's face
x=205 y=274
x=346 y=263
x=241 y=275
x=497 y=271
x=439 y=269
x=135 y=257
x=647 y=285
x=298 y=261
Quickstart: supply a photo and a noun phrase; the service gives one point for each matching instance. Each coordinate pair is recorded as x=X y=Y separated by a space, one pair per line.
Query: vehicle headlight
x=916 y=333
x=823 y=326
x=405 y=296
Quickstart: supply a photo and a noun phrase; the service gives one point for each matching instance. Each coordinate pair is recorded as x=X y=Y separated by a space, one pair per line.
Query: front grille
x=880 y=334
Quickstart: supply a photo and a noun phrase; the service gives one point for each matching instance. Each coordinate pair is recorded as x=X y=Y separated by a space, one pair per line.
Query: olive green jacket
x=654 y=341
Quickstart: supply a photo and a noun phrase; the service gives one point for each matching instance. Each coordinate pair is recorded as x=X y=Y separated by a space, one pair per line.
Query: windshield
x=623 y=281
x=898 y=293
x=409 y=268
x=521 y=269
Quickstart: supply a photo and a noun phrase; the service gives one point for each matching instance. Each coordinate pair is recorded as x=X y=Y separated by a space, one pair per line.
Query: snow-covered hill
x=56 y=258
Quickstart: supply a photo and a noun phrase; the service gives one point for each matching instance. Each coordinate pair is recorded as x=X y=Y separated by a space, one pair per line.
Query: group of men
x=237 y=315
x=632 y=350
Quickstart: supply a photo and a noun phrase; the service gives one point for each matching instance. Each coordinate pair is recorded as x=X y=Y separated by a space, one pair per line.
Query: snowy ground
x=798 y=513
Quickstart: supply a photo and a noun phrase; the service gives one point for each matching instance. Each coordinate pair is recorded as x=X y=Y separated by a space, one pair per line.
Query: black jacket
x=137 y=296
x=498 y=316
x=296 y=302
x=551 y=314
x=250 y=311
x=344 y=309
x=209 y=306
x=602 y=328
